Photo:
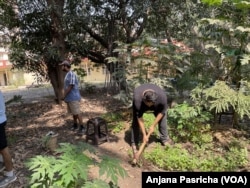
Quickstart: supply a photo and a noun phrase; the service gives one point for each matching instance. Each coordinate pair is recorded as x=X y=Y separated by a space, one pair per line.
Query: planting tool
x=138 y=154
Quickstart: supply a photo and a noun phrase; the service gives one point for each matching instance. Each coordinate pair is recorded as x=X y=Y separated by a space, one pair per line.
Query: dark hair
x=150 y=96
x=68 y=65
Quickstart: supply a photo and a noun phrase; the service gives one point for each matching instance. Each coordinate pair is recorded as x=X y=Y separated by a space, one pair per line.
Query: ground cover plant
x=70 y=168
x=197 y=147
x=213 y=148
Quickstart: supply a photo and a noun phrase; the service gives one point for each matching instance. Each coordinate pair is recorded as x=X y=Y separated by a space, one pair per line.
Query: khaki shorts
x=74 y=107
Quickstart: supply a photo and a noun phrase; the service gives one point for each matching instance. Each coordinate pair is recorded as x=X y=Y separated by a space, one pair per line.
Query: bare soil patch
x=28 y=123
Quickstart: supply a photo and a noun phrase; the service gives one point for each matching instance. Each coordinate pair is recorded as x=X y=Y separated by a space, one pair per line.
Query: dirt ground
x=28 y=123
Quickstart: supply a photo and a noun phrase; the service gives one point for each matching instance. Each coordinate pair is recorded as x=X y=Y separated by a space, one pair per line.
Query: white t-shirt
x=3 y=117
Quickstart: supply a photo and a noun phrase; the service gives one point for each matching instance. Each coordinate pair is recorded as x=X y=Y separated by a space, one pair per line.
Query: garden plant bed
x=28 y=123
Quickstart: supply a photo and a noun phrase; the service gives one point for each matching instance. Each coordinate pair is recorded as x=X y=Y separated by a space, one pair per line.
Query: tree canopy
x=41 y=34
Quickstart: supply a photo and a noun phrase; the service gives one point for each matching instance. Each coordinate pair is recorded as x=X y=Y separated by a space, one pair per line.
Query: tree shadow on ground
x=29 y=123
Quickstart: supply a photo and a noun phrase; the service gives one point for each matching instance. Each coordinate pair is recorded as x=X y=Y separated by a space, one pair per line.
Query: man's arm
x=156 y=121
x=67 y=90
x=142 y=126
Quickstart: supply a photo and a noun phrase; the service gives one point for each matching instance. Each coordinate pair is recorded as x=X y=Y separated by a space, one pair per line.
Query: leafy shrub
x=90 y=88
x=115 y=121
x=70 y=169
x=221 y=97
x=111 y=117
x=189 y=124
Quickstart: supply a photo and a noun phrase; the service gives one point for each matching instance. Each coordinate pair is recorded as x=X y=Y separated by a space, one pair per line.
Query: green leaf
x=111 y=168
x=245 y=59
x=212 y=2
x=96 y=184
x=242 y=4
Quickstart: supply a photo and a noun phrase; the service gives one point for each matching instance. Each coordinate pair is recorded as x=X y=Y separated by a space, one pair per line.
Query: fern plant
x=220 y=97
x=70 y=169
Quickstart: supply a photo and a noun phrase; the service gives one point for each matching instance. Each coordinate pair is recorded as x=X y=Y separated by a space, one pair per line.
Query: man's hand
x=145 y=138
x=151 y=129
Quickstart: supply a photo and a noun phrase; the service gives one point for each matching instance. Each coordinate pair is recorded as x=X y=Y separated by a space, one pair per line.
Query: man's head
x=149 y=97
x=65 y=65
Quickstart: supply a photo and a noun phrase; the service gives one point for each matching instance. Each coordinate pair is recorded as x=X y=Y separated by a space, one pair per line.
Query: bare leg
x=7 y=159
x=75 y=119
x=79 y=117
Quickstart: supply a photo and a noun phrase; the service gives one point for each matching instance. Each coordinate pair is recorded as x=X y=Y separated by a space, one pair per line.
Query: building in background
x=94 y=73
x=9 y=77
x=5 y=68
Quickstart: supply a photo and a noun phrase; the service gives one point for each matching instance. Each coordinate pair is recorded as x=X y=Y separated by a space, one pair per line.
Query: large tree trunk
x=56 y=78
x=56 y=74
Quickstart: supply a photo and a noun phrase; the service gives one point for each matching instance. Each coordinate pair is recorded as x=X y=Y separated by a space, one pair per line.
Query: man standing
x=72 y=96
x=9 y=175
x=149 y=97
